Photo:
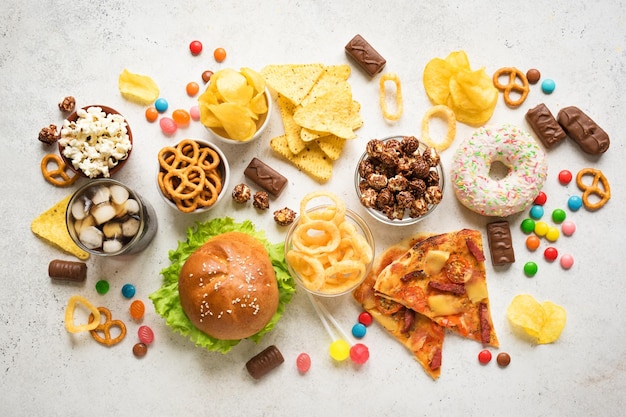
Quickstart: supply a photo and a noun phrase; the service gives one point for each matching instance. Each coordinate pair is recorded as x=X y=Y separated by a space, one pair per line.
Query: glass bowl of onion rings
x=399 y=180
x=329 y=249
x=192 y=176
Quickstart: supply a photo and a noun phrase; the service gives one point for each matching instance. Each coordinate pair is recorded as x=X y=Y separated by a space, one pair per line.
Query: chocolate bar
x=500 y=243
x=67 y=270
x=264 y=362
x=265 y=177
x=365 y=55
x=545 y=126
x=591 y=138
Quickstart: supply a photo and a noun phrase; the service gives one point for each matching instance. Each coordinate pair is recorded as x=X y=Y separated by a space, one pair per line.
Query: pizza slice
x=443 y=278
x=420 y=335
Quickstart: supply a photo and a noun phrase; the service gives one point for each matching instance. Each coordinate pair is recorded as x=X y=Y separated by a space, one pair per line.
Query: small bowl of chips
x=329 y=249
x=236 y=105
x=95 y=141
x=399 y=180
x=192 y=175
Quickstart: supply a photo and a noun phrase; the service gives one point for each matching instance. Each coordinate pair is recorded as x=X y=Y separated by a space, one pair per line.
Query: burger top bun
x=228 y=287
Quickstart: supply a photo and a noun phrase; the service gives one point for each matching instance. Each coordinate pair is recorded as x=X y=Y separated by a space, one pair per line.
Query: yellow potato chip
x=310 y=160
x=137 y=88
x=292 y=129
x=436 y=79
x=233 y=86
x=331 y=112
x=458 y=60
x=235 y=119
x=50 y=226
x=254 y=79
x=554 y=323
x=331 y=145
x=544 y=322
x=292 y=81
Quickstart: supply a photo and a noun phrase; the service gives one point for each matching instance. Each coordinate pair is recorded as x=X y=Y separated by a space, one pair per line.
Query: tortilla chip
x=292 y=129
x=342 y=71
x=330 y=112
x=292 y=81
x=312 y=160
x=331 y=145
x=326 y=84
x=308 y=135
x=50 y=226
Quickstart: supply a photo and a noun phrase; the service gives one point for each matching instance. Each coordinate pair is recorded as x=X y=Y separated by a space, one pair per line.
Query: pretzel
x=599 y=186
x=382 y=96
x=57 y=176
x=105 y=328
x=445 y=113
x=512 y=86
x=189 y=175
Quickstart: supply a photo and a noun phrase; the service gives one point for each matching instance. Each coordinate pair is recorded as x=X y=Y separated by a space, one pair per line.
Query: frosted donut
x=478 y=190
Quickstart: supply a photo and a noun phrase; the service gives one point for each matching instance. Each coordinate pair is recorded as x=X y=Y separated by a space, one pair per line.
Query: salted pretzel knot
x=59 y=174
x=599 y=187
x=102 y=333
x=512 y=87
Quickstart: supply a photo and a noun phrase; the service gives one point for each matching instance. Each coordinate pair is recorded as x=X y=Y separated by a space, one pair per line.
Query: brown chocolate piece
x=500 y=243
x=591 y=138
x=265 y=177
x=67 y=270
x=365 y=55
x=545 y=126
x=264 y=362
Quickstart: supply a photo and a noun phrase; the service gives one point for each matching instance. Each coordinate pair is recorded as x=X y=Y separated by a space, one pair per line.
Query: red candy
x=365 y=318
x=303 y=362
x=195 y=47
x=550 y=253
x=565 y=177
x=484 y=356
x=146 y=335
x=541 y=198
x=359 y=353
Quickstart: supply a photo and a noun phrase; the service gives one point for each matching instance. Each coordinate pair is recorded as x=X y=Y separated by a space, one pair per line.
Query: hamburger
x=225 y=283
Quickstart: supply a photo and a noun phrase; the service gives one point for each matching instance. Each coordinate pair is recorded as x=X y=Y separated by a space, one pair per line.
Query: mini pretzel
x=445 y=113
x=512 y=86
x=599 y=186
x=57 y=176
x=105 y=328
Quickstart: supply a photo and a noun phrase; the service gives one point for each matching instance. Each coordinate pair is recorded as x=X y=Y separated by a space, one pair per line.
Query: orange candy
x=192 y=89
x=181 y=117
x=151 y=114
x=219 y=54
x=532 y=243
x=137 y=309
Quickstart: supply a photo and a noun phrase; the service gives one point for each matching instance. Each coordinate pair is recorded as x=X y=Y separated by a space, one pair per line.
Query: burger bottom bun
x=228 y=287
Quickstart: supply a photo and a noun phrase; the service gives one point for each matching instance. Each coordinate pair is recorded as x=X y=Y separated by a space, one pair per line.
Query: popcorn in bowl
x=95 y=140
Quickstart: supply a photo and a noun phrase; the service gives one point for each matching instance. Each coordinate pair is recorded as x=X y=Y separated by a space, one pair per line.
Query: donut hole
x=498 y=170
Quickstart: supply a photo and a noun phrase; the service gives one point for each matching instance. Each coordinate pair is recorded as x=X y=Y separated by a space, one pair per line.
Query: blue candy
x=161 y=105
x=536 y=212
x=128 y=290
x=574 y=203
x=548 y=86
x=359 y=330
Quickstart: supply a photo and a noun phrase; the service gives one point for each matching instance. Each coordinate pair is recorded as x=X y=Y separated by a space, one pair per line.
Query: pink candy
x=146 y=335
x=168 y=125
x=303 y=362
x=568 y=228
x=567 y=261
x=194 y=112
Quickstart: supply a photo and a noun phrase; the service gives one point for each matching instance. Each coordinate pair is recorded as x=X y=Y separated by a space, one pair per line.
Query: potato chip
x=137 y=88
x=312 y=160
x=254 y=79
x=235 y=120
x=543 y=322
x=50 y=226
x=292 y=81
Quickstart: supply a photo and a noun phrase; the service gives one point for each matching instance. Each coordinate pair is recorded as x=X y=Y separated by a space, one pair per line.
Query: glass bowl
x=223 y=169
x=320 y=281
x=261 y=124
x=435 y=178
x=117 y=163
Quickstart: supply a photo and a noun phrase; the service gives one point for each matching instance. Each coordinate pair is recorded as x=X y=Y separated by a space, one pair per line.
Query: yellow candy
x=541 y=228
x=552 y=234
x=339 y=350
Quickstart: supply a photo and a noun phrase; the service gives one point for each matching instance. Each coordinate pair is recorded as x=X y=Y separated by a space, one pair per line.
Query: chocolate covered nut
x=591 y=138
x=365 y=55
x=500 y=243
x=261 y=200
x=265 y=177
x=67 y=270
x=264 y=362
x=533 y=76
x=545 y=126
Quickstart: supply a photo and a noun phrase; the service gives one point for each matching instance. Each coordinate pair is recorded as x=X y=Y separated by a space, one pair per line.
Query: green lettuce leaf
x=167 y=302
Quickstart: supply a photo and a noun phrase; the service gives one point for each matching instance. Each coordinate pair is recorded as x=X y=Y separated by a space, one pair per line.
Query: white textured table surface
x=49 y=49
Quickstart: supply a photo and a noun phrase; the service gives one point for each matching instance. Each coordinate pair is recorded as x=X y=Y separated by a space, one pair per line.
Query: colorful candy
x=206 y=76
x=528 y=226
x=359 y=353
x=192 y=88
x=532 y=243
x=137 y=309
x=194 y=112
x=558 y=215
x=541 y=228
x=146 y=335
x=567 y=261
x=568 y=228
x=303 y=362
x=541 y=198
x=195 y=47
x=484 y=356
x=128 y=290
x=548 y=85
x=140 y=350
x=152 y=114
x=339 y=350
x=161 y=104
x=102 y=287
x=552 y=234
x=359 y=330
x=503 y=359
x=565 y=177
x=574 y=203
x=219 y=54
x=551 y=253
x=181 y=117
x=168 y=125
x=536 y=212
x=365 y=318
x=530 y=269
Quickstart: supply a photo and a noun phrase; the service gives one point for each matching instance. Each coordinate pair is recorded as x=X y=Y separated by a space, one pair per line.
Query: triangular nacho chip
x=312 y=160
x=292 y=129
x=292 y=81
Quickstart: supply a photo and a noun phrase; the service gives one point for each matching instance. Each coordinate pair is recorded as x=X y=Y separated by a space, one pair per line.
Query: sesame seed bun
x=228 y=287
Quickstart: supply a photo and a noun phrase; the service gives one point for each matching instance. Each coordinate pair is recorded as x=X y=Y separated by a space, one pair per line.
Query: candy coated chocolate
x=365 y=55
x=264 y=362
x=591 y=138
x=67 y=270
x=545 y=126
x=265 y=177
x=500 y=243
